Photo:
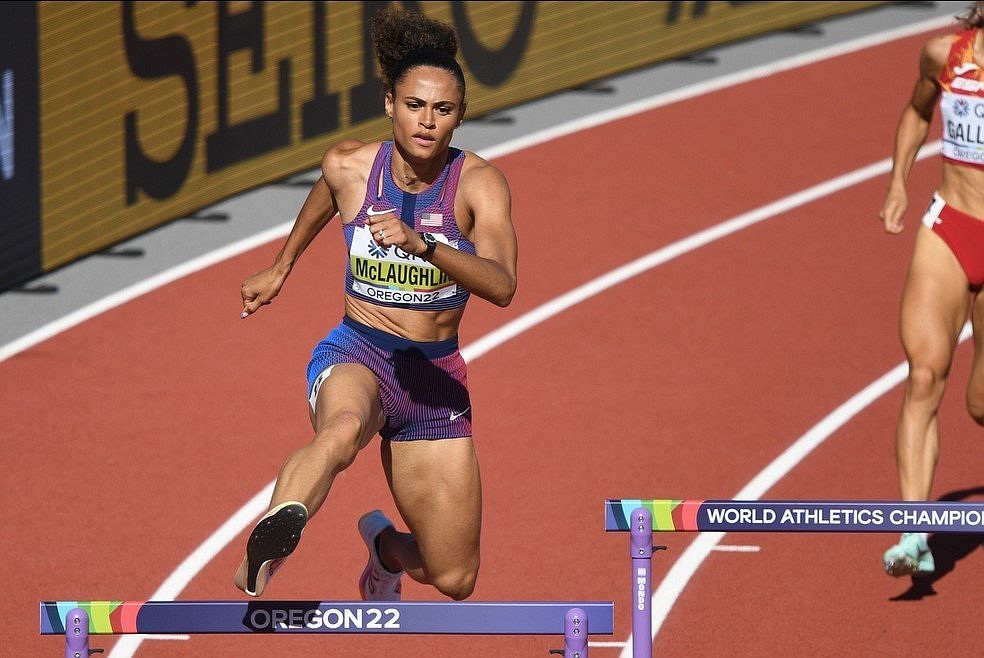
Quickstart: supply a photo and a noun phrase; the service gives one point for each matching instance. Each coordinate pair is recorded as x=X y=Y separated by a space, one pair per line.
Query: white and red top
x=962 y=103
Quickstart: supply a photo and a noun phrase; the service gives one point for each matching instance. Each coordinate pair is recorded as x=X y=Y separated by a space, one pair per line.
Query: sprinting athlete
x=947 y=268
x=426 y=226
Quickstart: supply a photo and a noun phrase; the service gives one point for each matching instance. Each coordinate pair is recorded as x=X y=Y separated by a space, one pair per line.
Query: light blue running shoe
x=911 y=556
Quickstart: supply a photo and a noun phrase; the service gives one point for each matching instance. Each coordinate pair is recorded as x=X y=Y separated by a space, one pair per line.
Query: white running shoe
x=377 y=583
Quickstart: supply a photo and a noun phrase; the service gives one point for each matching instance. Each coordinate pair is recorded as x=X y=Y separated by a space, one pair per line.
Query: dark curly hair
x=973 y=16
x=405 y=40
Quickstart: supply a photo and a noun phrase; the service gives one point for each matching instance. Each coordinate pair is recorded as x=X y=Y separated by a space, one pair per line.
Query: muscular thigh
x=348 y=390
x=437 y=488
x=935 y=301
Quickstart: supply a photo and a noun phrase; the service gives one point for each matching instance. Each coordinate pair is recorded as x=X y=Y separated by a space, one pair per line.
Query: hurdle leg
x=576 y=634
x=641 y=551
x=77 y=634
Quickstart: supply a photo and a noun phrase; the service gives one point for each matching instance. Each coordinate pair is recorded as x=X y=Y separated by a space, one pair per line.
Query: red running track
x=132 y=437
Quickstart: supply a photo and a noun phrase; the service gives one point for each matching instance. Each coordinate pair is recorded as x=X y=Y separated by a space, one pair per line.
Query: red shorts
x=963 y=233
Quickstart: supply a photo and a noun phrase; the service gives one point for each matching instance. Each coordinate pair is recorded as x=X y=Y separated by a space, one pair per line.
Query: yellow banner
x=152 y=110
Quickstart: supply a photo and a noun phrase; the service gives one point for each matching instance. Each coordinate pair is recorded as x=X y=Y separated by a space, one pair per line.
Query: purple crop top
x=388 y=276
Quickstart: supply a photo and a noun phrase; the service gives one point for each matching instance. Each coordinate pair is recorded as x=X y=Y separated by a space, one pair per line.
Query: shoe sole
x=909 y=567
x=273 y=539
x=900 y=568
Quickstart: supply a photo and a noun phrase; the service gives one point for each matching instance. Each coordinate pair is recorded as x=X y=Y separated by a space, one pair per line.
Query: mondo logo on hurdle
x=77 y=620
x=642 y=517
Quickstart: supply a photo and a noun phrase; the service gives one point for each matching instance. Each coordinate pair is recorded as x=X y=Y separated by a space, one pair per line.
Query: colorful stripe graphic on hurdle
x=574 y=620
x=699 y=515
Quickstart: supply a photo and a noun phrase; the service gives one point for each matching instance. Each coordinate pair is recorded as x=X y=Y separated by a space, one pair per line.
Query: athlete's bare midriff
x=420 y=326
x=963 y=188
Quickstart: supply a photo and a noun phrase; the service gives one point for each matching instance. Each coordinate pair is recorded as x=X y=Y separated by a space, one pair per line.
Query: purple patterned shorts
x=423 y=387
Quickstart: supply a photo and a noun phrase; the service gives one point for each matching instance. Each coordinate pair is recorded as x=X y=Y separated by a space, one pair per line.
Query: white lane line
x=676 y=249
x=736 y=548
x=158 y=636
x=194 y=563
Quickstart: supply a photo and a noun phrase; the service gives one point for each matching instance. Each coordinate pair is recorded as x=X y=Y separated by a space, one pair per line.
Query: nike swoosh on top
x=965 y=68
x=455 y=416
x=371 y=211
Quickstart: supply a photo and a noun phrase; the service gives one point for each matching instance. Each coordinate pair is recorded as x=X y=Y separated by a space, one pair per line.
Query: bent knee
x=341 y=436
x=458 y=584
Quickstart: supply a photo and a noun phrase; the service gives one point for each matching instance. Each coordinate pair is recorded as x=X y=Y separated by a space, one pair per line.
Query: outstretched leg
x=347 y=415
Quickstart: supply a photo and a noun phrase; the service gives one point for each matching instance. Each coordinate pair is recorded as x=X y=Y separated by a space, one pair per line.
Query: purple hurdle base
x=77 y=634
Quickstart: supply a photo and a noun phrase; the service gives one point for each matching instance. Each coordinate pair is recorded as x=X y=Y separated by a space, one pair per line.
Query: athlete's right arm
x=912 y=130
x=318 y=209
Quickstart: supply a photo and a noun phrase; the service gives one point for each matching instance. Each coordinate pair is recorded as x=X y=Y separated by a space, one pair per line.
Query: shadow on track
x=948 y=549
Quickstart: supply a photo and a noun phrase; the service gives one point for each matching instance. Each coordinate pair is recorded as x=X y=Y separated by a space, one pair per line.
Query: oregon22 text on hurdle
x=335 y=618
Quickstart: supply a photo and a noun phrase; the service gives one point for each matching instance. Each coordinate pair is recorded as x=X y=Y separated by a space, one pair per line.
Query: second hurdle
x=642 y=517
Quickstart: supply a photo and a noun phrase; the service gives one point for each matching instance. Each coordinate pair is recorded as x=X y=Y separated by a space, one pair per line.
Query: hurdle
x=642 y=517
x=78 y=620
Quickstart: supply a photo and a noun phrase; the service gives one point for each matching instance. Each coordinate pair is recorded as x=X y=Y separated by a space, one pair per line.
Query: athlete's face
x=426 y=108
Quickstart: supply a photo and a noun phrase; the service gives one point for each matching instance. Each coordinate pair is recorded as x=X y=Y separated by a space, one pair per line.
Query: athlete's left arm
x=912 y=130
x=491 y=272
